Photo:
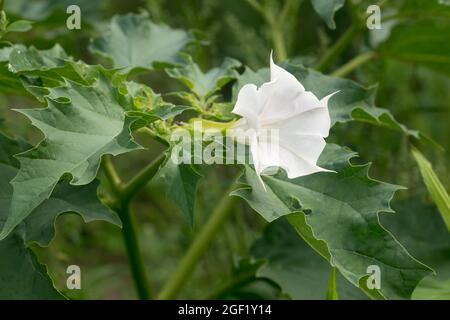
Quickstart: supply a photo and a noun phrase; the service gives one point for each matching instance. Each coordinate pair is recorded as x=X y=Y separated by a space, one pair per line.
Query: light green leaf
x=31 y=59
x=340 y=220
x=351 y=102
x=81 y=124
x=19 y=26
x=434 y=186
x=205 y=84
x=420 y=41
x=295 y=267
x=326 y=10
x=180 y=182
x=134 y=41
x=418 y=226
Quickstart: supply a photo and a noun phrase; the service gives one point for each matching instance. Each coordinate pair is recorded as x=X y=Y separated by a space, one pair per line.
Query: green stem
x=353 y=64
x=142 y=178
x=111 y=174
x=239 y=281
x=332 y=54
x=279 y=43
x=332 y=288
x=198 y=247
x=136 y=262
x=275 y=26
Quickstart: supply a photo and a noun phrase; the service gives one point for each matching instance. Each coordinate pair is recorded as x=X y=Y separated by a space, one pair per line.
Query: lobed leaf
x=134 y=41
x=80 y=124
x=340 y=220
x=21 y=275
x=205 y=84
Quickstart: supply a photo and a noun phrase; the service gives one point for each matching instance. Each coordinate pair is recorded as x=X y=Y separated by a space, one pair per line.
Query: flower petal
x=248 y=104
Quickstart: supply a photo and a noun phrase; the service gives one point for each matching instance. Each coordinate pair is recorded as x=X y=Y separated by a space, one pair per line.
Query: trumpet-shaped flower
x=287 y=123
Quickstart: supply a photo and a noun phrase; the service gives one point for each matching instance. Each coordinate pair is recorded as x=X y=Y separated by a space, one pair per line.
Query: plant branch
x=136 y=262
x=199 y=246
x=333 y=53
x=353 y=64
x=239 y=281
x=142 y=178
x=111 y=174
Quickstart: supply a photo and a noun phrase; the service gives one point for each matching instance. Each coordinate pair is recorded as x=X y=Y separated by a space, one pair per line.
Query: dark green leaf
x=422 y=42
x=295 y=267
x=21 y=276
x=180 y=183
x=418 y=226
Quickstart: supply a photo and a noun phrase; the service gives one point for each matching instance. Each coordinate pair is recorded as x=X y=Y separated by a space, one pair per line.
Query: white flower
x=301 y=122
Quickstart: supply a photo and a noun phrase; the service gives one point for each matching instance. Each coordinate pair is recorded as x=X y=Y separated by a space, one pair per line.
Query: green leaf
x=80 y=124
x=19 y=26
x=21 y=276
x=351 y=102
x=295 y=267
x=134 y=41
x=205 y=84
x=31 y=59
x=48 y=68
x=340 y=220
x=434 y=186
x=418 y=226
x=421 y=42
x=180 y=183
x=39 y=225
x=326 y=10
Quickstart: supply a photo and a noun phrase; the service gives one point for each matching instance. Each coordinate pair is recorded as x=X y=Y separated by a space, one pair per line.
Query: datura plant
x=255 y=157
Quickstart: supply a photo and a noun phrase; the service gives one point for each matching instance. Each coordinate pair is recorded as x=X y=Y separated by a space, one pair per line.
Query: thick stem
x=198 y=247
x=279 y=43
x=136 y=262
x=142 y=178
x=332 y=54
x=353 y=64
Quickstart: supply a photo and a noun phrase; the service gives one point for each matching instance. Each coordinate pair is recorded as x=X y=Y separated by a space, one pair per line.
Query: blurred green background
x=418 y=97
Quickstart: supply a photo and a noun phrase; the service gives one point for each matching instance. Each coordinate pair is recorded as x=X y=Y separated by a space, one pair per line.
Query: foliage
x=103 y=115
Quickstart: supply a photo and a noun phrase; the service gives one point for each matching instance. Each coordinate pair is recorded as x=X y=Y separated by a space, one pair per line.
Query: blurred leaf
x=300 y=272
x=87 y=124
x=205 y=84
x=19 y=26
x=134 y=41
x=418 y=226
x=434 y=186
x=326 y=10
x=420 y=41
x=340 y=220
